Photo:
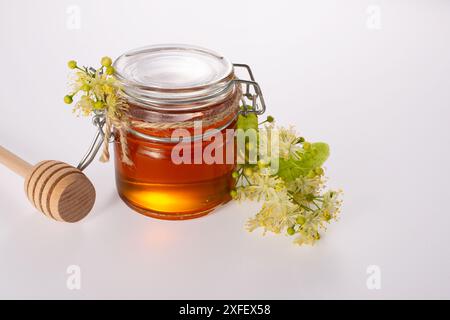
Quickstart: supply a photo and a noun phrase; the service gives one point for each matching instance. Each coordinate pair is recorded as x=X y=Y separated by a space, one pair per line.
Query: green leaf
x=313 y=158
x=316 y=156
x=249 y=121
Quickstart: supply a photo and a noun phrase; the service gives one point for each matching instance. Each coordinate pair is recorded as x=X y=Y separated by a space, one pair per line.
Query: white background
x=379 y=96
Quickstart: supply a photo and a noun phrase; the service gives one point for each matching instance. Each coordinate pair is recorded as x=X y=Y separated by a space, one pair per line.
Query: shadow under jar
x=175 y=94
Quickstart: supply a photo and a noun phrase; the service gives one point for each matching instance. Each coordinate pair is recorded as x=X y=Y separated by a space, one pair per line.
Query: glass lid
x=173 y=67
x=174 y=74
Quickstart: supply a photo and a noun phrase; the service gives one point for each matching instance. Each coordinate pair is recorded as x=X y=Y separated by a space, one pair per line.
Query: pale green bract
x=309 y=160
x=294 y=199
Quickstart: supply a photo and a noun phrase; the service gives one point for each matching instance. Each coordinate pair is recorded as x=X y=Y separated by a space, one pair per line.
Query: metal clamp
x=255 y=107
x=99 y=121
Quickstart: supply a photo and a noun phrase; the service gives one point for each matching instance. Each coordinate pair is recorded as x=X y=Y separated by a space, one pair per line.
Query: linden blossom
x=266 y=148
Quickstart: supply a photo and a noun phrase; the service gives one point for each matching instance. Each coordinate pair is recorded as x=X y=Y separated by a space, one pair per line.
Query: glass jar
x=170 y=88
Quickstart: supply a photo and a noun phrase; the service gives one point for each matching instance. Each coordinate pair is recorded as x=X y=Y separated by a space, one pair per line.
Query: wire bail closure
x=98 y=120
x=252 y=97
x=257 y=105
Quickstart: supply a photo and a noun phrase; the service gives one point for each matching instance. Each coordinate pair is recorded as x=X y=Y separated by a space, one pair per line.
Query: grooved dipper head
x=60 y=191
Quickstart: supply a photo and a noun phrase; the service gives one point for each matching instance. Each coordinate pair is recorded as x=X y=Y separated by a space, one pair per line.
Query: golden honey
x=155 y=186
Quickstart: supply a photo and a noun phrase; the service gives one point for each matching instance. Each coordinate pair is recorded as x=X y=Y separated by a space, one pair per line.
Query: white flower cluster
x=294 y=200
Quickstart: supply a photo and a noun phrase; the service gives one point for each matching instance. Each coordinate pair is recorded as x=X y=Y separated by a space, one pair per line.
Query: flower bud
x=72 y=64
x=68 y=99
x=300 y=220
x=106 y=61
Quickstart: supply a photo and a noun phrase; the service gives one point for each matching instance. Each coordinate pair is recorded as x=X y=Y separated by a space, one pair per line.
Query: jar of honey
x=176 y=94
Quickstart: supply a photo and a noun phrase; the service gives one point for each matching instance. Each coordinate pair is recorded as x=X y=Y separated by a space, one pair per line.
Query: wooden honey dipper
x=58 y=190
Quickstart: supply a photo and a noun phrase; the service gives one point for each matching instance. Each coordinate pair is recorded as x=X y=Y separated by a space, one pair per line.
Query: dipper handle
x=13 y=162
